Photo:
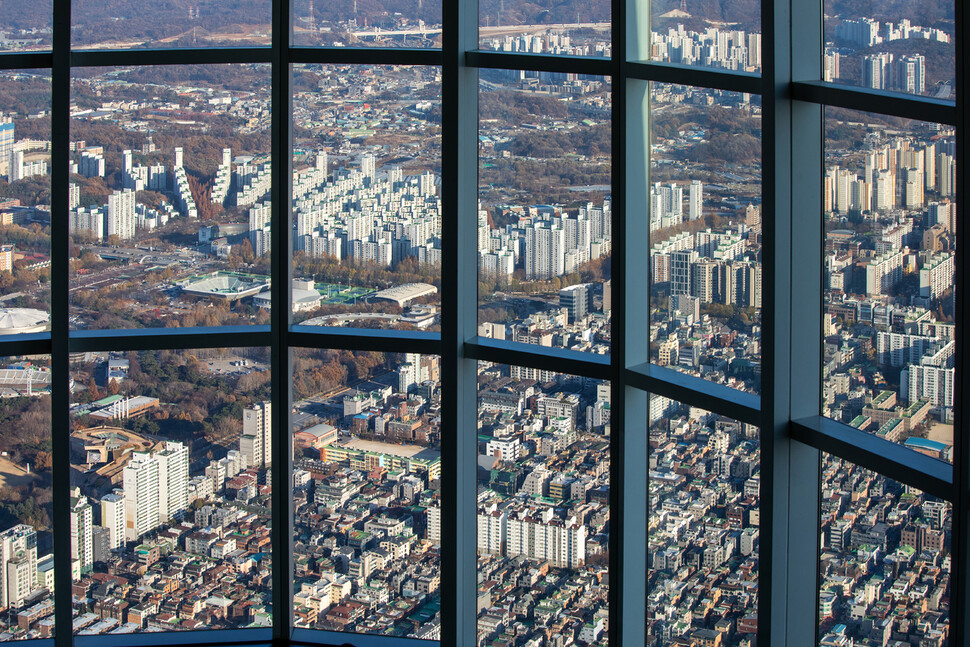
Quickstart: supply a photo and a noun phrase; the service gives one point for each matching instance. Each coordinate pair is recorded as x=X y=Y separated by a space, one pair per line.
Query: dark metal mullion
x=60 y=320
x=459 y=313
x=776 y=314
x=542 y=357
x=175 y=56
x=696 y=76
x=29 y=344
x=136 y=339
x=26 y=60
x=876 y=454
x=541 y=62
x=281 y=159
x=866 y=100
x=617 y=610
x=696 y=391
x=365 y=56
x=960 y=526
x=386 y=341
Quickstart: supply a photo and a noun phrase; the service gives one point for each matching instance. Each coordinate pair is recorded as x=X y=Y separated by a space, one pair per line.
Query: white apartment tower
x=113 y=518
x=121 y=215
x=256 y=439
x=18 y=565
x=141 y=484
x=82 y=532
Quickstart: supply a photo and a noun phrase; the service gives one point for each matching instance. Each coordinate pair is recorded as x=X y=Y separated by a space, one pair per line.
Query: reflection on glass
x=26 y=539
x=543 y=506
x=366 y=480
x=705 y=234
x=366 y=201
x=704 y=525
x=564 y=28
x=170 y=499
x=127 y=24
x=884 y=561
x=725 y=35
x=170 y=189
x=544 y=219
x=349 y=23
x=25 y=201
x=891 y=46
x=889 y=212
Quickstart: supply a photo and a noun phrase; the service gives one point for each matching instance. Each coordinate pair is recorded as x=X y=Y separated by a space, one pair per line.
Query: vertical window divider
x=960 y=528
x=776 y=25
x=804 y=365
x=459 y=322
x=60 y=321
x=281 y=160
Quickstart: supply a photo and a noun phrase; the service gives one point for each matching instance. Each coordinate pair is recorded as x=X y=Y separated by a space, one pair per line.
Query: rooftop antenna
x=312 y=20
x=683 y=5
x=355 y=7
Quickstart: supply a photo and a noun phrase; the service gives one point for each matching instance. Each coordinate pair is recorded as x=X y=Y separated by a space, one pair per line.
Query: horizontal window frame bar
x=694 y=76
x=598 y=66
x=26 y=344
x=544 y=358
x=876 y=454
x=200 y=638
x=696 y=391
x=312 y=637
x=865 y=100
x=26 y=60
x=187 y=56
x=365 y=56
x=170 y=338
x=364 y=340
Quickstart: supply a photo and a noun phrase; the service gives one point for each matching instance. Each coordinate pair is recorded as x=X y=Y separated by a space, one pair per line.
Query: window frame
x=787 y=411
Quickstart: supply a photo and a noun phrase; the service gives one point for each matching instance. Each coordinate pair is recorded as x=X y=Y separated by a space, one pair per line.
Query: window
x=493 y=322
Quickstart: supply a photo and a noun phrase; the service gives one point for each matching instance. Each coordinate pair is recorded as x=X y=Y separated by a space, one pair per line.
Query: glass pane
x=543 y=506
x=705 y=233
x=27 y=26
x=349 y=23
x=884 y=560
x=26 y=509
x=890 y=242
x=170 y=505
x=25 y=201
x=127 y=24
x=366 y=196
x=367 y=492
x=170 y=175
x=890 y=46
x=544 y=219
x=705 y=526
x=564 y=27
x=724 y=35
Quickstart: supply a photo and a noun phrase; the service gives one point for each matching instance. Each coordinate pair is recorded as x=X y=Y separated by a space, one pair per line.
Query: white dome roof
x=14 y=320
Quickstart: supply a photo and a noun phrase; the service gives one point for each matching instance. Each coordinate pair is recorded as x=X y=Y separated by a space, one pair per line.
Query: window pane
x=565 y=27
x=366 y=201
x=170 y=210
x=26 y=510
x=25 y=201
x=884 y=560
x=705 y=527
x=170 y=506
x=27 y=26
x=890 y=243
x=544 y=220
x=724 y=35
x=890 y=46
x=349 y=23
x=127 y=24
x=705 y=233
x=367 y=489
x=543 y=513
